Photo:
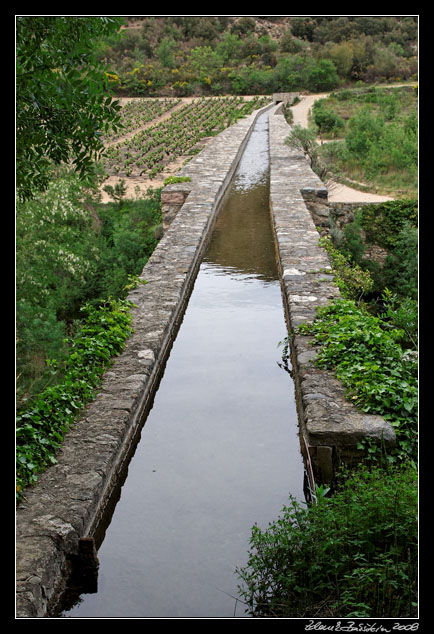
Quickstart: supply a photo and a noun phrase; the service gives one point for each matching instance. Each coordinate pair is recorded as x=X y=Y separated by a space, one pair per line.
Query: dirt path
x=337 y=192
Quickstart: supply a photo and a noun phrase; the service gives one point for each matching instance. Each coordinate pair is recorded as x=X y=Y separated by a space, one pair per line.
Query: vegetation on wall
x=41 y=425
x=370 y=359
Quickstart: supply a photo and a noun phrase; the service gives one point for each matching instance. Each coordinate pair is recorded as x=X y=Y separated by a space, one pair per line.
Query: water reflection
x=219 y=451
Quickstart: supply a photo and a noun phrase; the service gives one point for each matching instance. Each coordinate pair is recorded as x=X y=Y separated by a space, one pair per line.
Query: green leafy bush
x=381 y=147
x=351 y=555
x=393 y=226
x=326 y=119
x=368 y=358
x=352 y=281
x=43 y=423
x=400 y=270
x=383 y=222
x=402 y=314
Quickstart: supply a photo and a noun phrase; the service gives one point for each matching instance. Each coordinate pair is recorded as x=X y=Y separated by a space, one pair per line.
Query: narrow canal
x=219 y=450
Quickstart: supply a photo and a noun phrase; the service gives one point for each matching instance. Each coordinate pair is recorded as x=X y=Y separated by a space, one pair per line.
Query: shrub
x=71 y=251
x=43 y=423
x=400 y=270
x=304 y=139
x=351 y=555
x=363 y=131
x=321 y=75
x=352 y=281
x=382 y=147
x=392 y=226
x=327 y=120
x=57 y=258
x=383 y=222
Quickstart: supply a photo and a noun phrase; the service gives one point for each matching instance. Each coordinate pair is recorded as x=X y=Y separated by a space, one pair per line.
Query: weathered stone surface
x=298 y=201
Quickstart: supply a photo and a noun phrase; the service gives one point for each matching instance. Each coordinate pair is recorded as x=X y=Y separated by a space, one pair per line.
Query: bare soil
x=137 y=185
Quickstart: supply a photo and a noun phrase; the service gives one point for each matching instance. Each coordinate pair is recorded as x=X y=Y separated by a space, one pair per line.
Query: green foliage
x=353 y=243
x=400 y=270
x=363 y=131
x=176 y=179
x=304 y=139
x=393 y=226
x=166 y=51
x=321 y=75
x=401 y=314
x=70 y=251
x=383 y=222
x=62 y=102
x=350 y=555
x=367 y=357
x=43 y=423
x=242 y=54
x=380 y=142
x=118 y=191
x=326 y=120
x=352 y=281
x=56 y=257
x=381 y=147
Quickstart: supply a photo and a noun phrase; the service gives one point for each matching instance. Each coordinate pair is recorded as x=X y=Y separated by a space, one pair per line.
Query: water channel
x=219 y=450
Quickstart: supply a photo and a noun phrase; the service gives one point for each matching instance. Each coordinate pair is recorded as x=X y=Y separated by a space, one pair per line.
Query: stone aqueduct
x=63 y=510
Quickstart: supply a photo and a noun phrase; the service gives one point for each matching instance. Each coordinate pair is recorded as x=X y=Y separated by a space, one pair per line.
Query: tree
x=63 y=105
x=165 y=52
x=321 y=75
x=204 y=61
x=342 y=56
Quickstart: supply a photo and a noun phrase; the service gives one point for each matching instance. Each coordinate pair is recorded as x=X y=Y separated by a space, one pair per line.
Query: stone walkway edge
x=70 y=497
x=330 y=424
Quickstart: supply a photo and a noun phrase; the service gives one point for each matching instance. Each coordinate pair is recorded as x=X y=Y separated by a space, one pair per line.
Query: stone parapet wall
x=343 y=213
x=285 y=97
x=330 y=424
x=172 y=198
x=71 y=496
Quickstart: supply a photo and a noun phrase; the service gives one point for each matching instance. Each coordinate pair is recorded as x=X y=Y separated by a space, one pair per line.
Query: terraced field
x=160 y=135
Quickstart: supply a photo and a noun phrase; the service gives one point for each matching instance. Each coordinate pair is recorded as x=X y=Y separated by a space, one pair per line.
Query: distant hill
x=212 y=55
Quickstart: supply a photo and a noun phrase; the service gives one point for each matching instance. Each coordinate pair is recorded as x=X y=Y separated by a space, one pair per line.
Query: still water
x=219 y=450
